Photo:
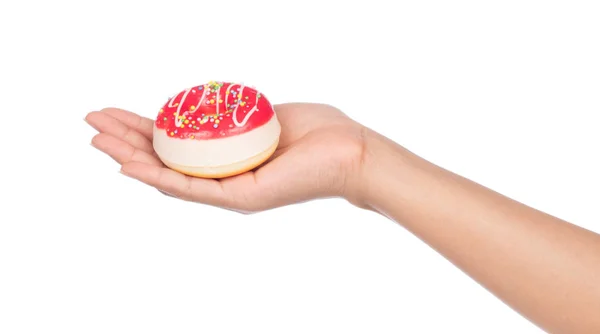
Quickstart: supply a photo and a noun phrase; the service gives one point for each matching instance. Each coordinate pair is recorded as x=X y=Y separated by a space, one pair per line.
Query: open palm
x=319 y=155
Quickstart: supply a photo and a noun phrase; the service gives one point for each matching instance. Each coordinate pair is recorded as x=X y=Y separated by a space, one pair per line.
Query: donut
x=216 y=130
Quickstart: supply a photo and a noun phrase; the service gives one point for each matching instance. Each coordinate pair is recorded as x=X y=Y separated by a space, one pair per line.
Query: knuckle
x=127 y=133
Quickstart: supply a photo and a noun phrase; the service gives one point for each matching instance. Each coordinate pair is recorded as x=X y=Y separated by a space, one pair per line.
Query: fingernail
x=167 y=193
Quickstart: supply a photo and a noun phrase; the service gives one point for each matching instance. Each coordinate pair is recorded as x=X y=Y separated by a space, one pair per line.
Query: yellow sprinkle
x=176 y=104
x=246 y=97
x=161 y=111
x=172 y=133
x=175 y=113
x=193 y=122
x=217 y=121
x=243 y=104
x=212 y=101
x=192 y=108
x=182 y=126
x=220 y=101
x=186 y=121
x=192 y=137
x=239 y=95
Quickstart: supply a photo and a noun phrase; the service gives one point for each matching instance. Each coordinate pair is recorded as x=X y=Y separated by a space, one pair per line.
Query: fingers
x=141 y=124
x=121 y=151
x=127 y=138
x=168 y=181
x=105 y=123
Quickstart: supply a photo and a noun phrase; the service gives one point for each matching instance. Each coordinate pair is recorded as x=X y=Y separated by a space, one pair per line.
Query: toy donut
x=216 y=130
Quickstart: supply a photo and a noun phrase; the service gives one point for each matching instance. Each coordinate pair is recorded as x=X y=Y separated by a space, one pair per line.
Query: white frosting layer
x=216 y=152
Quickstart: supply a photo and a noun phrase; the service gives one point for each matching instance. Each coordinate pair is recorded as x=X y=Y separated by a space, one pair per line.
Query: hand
x=319 y=155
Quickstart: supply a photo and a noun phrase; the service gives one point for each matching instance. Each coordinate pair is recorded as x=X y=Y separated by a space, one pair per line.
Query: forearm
x=543 y=267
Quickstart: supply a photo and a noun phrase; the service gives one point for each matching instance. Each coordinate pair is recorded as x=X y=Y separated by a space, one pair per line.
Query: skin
x=546 y=269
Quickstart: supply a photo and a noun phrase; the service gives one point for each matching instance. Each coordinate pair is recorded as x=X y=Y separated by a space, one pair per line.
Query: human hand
x=319 y=155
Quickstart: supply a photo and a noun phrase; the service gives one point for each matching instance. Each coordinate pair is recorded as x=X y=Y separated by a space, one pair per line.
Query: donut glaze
x=205 y=130
x=214 y=110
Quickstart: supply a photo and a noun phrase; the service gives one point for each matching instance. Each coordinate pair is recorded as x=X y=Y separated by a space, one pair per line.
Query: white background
x=505 y=93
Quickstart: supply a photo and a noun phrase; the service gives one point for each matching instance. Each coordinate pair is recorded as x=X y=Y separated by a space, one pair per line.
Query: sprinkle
x=217 y=121
x=212 y=101
x=182 y=126
x=160 y=111
x=175 y=131
x=215 y=126
x=192 y=108
x=172 y=133
x=175 y=113
x=230 y=125
x=186 y=121
x=220 y=101
x=243 y=104
x=164 y=119
x=246 y=97
x=212 y=119
x=193 y=122
x=239 y=95
x=192 y=137
x=176 y=104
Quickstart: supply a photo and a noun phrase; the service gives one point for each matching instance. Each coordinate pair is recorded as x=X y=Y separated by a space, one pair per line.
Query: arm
x=545 y=268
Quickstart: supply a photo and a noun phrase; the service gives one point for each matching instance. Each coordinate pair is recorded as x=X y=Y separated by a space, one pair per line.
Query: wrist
x=368 y=175
x=387 y=170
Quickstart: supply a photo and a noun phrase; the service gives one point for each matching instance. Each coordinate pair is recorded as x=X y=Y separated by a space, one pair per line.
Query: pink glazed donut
x=216 y=130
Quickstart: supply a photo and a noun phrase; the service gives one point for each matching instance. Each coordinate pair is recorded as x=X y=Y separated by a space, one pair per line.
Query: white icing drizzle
x=179 y=121
x=248 y=114
x=217 y=100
